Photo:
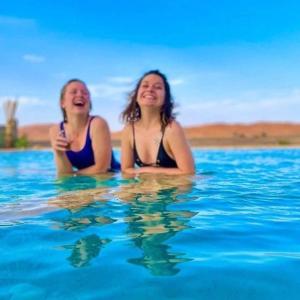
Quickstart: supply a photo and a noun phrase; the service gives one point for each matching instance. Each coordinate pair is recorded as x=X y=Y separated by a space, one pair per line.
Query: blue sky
x=227 y=61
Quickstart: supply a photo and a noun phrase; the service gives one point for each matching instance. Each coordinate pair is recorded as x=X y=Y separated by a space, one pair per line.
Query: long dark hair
x=62 y=94
x=132 y=112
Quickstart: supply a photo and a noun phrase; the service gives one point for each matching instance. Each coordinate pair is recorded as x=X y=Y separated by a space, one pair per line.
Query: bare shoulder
x=127 y=135
x=127 y=129
x=174 y=129
x=98 y=123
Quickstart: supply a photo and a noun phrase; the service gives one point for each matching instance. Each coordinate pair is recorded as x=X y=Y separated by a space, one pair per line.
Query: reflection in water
x=150 y=213
x=71 y=183
x=88 y=247
x=81 y=223
x=84 y=208
x=85 y=182
x=151 y=222
x=85 y=249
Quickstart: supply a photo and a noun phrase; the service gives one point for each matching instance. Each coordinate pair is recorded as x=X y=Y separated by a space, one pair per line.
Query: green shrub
x=1 y=140
x=22 y=142
x=283 y=142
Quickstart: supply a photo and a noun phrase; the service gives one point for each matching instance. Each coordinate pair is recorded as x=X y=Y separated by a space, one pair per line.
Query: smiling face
x=152 y=89
x=75 y=98
x=151 y=92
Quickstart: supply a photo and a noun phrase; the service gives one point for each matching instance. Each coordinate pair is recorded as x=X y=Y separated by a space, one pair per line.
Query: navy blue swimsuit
x=162 y=160
x=84 y=158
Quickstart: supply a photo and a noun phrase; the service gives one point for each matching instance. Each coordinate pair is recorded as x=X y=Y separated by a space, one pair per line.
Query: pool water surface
x=232 y=231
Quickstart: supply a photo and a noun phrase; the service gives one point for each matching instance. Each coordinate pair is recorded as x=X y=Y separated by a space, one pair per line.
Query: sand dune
x=210 y=134
x=35 y=132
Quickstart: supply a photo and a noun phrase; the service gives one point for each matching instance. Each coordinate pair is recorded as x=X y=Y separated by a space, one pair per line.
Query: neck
x=150 y=119
x=77 y=123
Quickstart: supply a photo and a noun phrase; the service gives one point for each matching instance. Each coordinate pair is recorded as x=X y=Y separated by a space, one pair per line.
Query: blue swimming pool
x=232 y=231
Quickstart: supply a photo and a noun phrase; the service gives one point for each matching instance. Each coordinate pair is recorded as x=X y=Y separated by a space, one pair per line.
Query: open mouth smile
x=79 y=103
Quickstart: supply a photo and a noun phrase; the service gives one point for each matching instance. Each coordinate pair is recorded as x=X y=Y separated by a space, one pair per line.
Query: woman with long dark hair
x=152 y=139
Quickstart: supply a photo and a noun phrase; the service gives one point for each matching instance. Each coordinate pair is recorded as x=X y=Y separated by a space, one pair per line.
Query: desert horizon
x=213 y=134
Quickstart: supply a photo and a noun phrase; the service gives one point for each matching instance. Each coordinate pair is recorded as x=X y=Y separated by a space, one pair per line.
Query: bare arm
x=127 y=161
x=59 y=145
x=101 y=143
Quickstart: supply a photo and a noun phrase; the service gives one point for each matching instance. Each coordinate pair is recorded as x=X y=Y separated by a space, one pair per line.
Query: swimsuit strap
x=90 y=121
x=163 y=130
x=62 y=127
x=133 y=134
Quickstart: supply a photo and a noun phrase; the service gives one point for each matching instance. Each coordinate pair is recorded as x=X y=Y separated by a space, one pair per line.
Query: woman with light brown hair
x=81 y=143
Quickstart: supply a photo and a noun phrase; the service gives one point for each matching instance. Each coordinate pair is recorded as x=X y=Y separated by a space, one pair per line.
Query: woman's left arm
x=101 y=143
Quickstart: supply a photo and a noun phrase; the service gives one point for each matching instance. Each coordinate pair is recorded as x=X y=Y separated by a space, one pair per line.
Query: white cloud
x=108 y=91
x=117 y=88
x=283 y=107
x=177 y=81
x=113 y=88
x=121 y=80
x=24 y=100
x=33 y=58
x=30 y=101
x=13 y=21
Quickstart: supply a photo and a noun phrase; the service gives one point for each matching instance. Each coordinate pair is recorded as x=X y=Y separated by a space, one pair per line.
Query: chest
x=147 y=145
x=78 y=141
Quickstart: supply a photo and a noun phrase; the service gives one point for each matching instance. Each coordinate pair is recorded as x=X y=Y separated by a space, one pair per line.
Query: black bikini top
x=162 y=158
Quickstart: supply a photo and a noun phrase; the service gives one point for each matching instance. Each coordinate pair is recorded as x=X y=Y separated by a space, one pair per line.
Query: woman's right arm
x=127 y=161
x=59 y=145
